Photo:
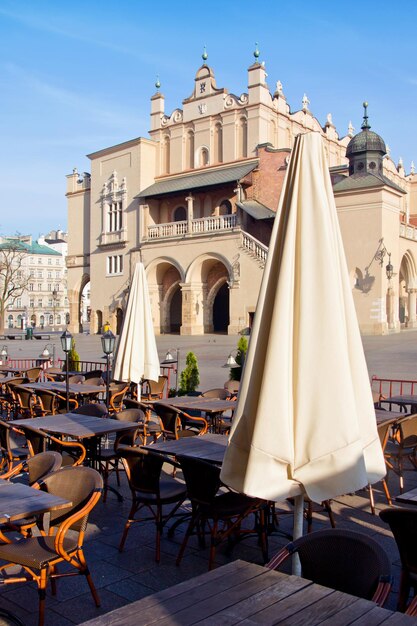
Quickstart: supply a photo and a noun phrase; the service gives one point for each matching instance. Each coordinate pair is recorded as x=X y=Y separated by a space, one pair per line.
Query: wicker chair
x=151 y=489
x=39 y=556
x=344 y=560
x=33 y=374
x=403 y=524
x=402 y=446
x=176 y=424
x=219 y=393
x=8 y=398
x=25 y=401
x=117 y=392
x=94 y=410
x=223 y=511
x=73 y=452
x=384 y=431
x=12 y=448
x=51 y=403
x=154 y=390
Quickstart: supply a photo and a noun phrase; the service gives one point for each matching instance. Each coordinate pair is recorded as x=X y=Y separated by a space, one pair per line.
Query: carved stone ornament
x=202 y=108
x=177 y=116
x=164 y=120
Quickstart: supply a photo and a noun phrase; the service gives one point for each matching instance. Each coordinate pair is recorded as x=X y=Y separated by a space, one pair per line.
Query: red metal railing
x=393 y=387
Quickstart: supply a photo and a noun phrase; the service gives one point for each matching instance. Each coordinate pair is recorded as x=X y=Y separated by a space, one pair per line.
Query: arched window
x=51 y=320
x=225 y=207
x=204 y=157
x=180 y=214
x=10 y=321
x=58 y=319
x=218 y=143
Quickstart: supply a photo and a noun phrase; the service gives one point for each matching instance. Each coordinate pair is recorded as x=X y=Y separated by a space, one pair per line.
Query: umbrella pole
x=297 y=530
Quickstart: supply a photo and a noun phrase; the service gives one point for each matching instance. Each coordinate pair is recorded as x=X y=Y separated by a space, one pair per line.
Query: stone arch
x=208 y=276
x=75 y=298
x=407 y=290
x=165 y=276
x=203 y=156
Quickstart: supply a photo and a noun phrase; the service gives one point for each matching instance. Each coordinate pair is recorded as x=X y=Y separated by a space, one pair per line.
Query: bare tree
x=13 y=281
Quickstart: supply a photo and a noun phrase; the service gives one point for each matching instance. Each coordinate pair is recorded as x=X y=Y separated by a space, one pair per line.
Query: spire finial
x=256 y=52
x=157 y=82
x=204 y=56
x=365 y=123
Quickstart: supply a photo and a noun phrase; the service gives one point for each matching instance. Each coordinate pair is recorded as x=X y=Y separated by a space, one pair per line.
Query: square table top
x=76 y=425
x=83 y=389
x=18 y=501
x=409 y=497
x=209 y=447
x=390 y=416
x=242 y=592
x=199 y=403
x=401 y=399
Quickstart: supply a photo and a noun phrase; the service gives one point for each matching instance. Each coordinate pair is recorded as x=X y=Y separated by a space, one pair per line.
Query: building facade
x=196 y=200
x=43 y=301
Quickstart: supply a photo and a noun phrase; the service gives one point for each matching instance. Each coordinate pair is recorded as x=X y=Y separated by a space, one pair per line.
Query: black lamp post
x=107 y=343
x=170 y=360
x=66 y=340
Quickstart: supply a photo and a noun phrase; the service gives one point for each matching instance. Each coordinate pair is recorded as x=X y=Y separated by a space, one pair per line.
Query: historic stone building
x=195 y=201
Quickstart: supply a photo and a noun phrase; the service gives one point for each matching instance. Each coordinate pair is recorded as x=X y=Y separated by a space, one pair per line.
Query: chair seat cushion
x=170 y=490
x=229 y=504
x=34 y=552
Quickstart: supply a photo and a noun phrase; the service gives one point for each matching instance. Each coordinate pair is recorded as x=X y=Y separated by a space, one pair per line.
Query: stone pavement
x=124 y=577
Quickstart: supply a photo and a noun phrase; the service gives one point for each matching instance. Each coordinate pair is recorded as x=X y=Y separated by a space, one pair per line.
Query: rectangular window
x=39 y=286
x=56 y=261
x=30 y=286
x=57 y=274
x=49 y=274
x=32 y=303
x=40 y=274
x=39 y=261
x=32 y=273
x=49 y=287
x=115 y=264
x=49 y=261
x=57 y=287
x=18 y=303
x=50 y=302
x=40 y=303
x=115 y=217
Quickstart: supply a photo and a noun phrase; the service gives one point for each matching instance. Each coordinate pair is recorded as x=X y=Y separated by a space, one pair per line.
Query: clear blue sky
x=77 y=77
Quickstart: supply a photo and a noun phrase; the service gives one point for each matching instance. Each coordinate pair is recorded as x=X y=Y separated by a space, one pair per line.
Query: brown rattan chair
x=12 y=447
x=224 y=511
x=344 y=560
x=152 y=389
x=232 y=386
x=94 y=410
x=384 y=431
x=219 y=393
x=151 y=489
x=76 y=379
x=107 y=456
x=402 y=446
x=25 y=401
x=73 y=452
x=117 y=392
x=39 y=556
x=33 y=374
x=176 y=424
x=51 y=403
x=403 y=524
x=8 y=399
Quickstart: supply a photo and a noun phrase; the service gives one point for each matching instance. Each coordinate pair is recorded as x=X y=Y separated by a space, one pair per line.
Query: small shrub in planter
x=190 y=376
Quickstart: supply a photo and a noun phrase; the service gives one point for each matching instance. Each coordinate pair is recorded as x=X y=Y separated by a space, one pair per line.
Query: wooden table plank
x=210 y=447
x=409 y=497
x=75 y=425
x=18 y=501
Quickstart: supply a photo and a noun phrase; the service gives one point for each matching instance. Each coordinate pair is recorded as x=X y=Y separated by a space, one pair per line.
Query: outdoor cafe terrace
x=123 y=577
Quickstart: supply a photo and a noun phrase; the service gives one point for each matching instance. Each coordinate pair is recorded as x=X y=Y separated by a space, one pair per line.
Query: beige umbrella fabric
x=137 y=355
x=305 y=420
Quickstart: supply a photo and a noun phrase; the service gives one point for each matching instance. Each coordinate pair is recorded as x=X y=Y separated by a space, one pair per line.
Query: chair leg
x=128 y=524
x=193 y=521
x=404 y=592
x=371 y=499
x=87 y=574
x=42 y=594
x=213 y=543
x=386 y=490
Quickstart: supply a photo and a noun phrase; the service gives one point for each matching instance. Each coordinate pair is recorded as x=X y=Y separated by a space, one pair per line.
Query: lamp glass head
x=66 y=339
x=107 y=342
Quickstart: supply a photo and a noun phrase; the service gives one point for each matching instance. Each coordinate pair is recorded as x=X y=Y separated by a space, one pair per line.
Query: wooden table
x=409 y=497
x=76 y=425
x=402 y=400
x=210 y=447
x=246 y=593
x=80 y=389
x=18 y=501
x=384 y=416
x=212 y=407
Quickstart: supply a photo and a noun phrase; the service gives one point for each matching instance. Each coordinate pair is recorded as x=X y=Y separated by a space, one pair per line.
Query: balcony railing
x=408 y=231
x=254 y=247
x=200 y=226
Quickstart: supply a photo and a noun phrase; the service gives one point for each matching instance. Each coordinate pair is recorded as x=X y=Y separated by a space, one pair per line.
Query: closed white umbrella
x=305 y=420
x=137 y=355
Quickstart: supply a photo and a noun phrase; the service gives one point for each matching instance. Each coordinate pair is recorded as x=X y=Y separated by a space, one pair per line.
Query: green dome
x=366 y=141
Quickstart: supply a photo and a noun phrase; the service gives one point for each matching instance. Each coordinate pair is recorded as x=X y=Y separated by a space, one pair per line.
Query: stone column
x=412 y=318
x=143 y=222
x=234 y=310
x=192 y=309
x=190 y=213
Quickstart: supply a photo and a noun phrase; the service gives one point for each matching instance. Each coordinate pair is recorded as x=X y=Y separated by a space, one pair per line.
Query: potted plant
x=242 y=348
x=190 y=376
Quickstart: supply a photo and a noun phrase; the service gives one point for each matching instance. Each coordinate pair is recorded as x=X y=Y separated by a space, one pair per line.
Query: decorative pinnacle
x=204 y=56
x=157 y=82
x=365 y=123
x=256 y=52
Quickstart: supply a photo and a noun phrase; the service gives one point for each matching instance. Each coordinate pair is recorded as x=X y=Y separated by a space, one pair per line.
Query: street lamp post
x=54 y=295
x=170 y=360
x=4 y=355
x=107 y=343
x=46 y=353
x=66 y=340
